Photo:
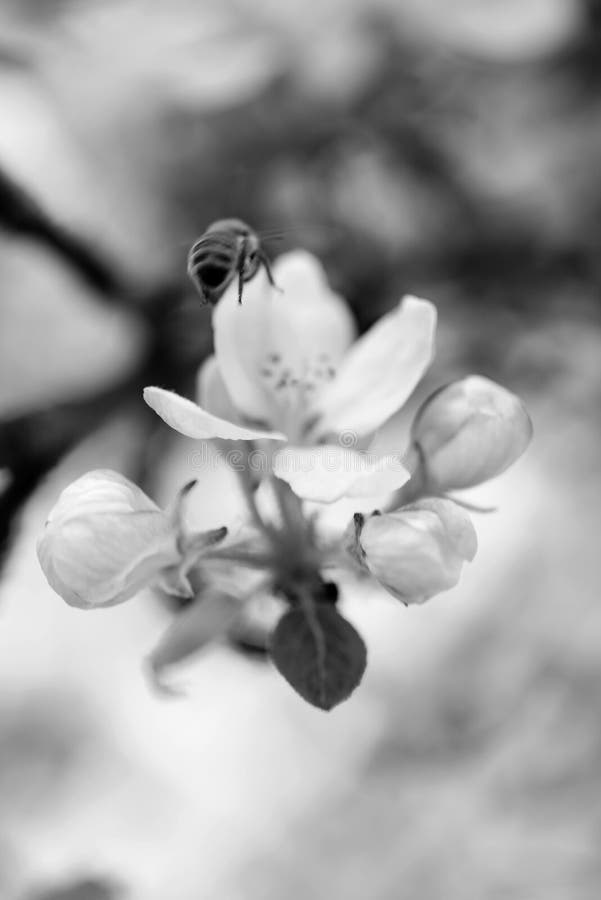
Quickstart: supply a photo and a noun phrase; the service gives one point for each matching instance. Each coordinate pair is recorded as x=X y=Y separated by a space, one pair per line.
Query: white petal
x=101 y=490
x=300 y=326
x=326 y=473
x=241 y=336
x=380 y=371
x=186 y=417
x=311 y=321
x=458 y=527
x=212 y=393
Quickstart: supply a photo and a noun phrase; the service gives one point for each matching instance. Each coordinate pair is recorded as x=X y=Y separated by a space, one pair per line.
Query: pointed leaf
x=196 y=626
x=319 y=654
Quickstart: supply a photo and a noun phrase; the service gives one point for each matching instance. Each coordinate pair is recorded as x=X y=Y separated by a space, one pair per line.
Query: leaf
x=196 y=626
x=319 y=654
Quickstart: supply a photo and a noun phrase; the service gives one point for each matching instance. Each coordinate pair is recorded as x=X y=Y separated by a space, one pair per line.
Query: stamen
x=292 y=389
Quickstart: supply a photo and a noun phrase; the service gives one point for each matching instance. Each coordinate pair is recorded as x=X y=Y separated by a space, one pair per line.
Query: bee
x=228 y=249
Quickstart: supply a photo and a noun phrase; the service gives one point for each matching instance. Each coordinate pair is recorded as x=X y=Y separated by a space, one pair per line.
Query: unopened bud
x=418 y=551
x=466 y=433
x=105 y=540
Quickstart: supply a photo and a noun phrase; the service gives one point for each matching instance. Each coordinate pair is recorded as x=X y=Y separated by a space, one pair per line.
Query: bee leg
x=265 y=262
x=241 y=260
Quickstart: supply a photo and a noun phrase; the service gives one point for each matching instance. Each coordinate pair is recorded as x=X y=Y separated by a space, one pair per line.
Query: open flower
x=467 y=432
x=105 y=540
x=416 y=552
x=286 y=369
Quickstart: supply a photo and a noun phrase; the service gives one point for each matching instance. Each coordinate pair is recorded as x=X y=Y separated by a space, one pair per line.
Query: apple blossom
x=286 y=369
x=290 y=382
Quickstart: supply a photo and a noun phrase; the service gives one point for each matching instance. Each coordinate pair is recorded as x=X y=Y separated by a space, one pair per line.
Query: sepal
x=203 y=621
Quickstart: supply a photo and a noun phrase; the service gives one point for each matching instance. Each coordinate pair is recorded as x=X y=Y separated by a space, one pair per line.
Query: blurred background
x=448 y=148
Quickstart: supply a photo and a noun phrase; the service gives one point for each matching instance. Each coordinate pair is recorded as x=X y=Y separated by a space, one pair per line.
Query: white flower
x=286 y=369
x=417 y=551
x=105 y=540
x=466 y=433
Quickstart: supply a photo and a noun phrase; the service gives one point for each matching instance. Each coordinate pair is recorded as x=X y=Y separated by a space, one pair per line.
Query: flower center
x=292 y=388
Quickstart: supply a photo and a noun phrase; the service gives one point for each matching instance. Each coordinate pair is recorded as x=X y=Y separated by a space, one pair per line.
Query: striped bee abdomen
x=228 y=249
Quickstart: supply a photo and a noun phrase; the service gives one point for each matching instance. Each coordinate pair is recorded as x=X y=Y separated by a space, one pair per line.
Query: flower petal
x=186 y=417
x=212 y=393
x=101 y=490
x=418 y=551
x=241 y=337
x=311 y=322
x=298 y=329
x=328 y=472
x=380 y=371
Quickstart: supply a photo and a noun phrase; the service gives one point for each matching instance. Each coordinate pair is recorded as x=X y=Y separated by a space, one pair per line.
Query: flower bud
x=466 y=433
x=417 y=551
x=105 y=540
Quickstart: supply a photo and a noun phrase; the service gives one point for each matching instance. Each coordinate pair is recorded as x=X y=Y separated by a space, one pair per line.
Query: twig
x=21 y=213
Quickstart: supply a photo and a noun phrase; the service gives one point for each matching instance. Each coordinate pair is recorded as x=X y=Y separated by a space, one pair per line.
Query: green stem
x=248 y=491
x=291 y=508
x=252 y=560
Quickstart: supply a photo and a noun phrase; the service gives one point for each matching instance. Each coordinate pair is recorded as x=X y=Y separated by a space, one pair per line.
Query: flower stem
x=243 y=558
x=291 y=508
x=248 y=491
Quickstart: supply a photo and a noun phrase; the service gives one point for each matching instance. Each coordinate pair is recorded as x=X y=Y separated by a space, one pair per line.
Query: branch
x=22 y=214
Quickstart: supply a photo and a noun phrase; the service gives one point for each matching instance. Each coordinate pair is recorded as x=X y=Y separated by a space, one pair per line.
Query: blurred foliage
x=86 y=889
